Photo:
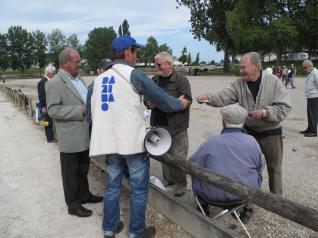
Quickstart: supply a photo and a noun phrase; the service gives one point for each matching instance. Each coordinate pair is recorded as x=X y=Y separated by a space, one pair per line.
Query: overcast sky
x=146 y=18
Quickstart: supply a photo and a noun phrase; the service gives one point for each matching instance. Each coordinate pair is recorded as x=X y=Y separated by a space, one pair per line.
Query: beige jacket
x=64 y=105
x=272 y=96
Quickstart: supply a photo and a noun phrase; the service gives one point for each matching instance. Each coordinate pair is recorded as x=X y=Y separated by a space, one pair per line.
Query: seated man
x=233 y=154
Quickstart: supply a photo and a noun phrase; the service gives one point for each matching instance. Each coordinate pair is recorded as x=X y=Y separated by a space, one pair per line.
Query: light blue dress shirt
x=81 y=88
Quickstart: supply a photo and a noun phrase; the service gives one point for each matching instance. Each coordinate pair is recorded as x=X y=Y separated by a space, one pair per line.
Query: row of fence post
x=19 y=98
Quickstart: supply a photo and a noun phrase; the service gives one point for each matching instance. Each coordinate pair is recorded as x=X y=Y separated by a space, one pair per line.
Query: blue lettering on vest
x=105 y=87
x=107 y=92
x=104 y=107
x=104 y=98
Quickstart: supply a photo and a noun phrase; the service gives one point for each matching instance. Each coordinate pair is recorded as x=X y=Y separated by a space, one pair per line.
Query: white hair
x=268 y=70
x=164 y=55
x=49 y=69
x=308 y=62
x=226 y=124
x=255 y=59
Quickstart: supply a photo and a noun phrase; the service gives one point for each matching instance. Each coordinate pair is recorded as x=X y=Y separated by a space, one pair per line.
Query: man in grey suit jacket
x=66 y=95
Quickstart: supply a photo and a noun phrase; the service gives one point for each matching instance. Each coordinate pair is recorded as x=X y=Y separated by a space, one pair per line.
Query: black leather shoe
x=310 y=134
x=80 y=212
x=304 y=132
x=93 y=199
x=120 y=227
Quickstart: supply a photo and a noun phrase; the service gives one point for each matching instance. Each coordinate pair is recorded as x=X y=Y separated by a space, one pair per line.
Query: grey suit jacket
x=64 y=105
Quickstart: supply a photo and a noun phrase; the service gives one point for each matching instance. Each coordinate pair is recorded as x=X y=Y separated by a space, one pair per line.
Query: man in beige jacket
x=267 y=102
x=66 y=96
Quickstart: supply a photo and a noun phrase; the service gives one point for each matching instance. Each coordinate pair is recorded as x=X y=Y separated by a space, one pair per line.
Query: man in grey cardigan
x=267 y=102
x=66 y=96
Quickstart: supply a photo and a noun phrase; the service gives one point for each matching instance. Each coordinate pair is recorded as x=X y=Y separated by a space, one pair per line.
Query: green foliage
x=148 y=53
x=184 y=55
x=197 y=59
x=306 y=20
x=189 y=59
x=40 y=48
x=165 y=47
x=238 y=27
x=57 y=42
x=20 y=48
x=98 y=45
x=4 y=58
x=73 y=42
x=208 y=21
x=124 y=29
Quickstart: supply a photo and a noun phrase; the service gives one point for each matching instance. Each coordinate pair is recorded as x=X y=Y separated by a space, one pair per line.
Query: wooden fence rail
x=291 y=210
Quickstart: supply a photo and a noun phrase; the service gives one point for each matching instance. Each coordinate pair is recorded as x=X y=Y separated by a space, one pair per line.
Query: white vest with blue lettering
x=117 y=114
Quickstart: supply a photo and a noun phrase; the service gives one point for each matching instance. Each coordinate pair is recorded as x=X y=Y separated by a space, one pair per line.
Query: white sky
x=146 y=18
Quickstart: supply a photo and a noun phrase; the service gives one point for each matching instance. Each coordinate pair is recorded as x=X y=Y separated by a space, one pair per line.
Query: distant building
x=299 y=56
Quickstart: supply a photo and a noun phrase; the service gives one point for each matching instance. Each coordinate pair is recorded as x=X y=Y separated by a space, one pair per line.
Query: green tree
x=98 y=45
x=208 y=21
x=147 y=54
x=306 y=21
x=73 y=42
x=40 y=48
x=165 y=47
x=282 y=32
x=124 y=29
x=197 y=59
x=4 y=59
x=20 y=48
x=272 y=29
x=189 y=59
x=184 y=55
x=57 y=42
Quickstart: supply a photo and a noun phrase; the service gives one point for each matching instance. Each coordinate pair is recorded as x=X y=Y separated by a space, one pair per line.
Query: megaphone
x=158 y=141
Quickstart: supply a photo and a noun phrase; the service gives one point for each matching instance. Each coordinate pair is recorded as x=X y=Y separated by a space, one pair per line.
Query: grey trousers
x=179 y=150
x=272 y=148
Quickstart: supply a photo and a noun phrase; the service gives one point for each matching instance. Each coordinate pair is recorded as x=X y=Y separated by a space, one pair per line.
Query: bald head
x=308 y=66
x=70 y=61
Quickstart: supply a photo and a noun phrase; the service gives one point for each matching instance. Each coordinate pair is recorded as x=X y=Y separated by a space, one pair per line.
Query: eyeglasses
x=159 y=65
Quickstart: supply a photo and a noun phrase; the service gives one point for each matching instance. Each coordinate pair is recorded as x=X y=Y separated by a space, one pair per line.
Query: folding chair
x=231 y=208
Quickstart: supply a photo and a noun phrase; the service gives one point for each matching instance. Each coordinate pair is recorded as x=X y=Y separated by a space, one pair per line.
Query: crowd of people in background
x=286 y=74
x=106 y=119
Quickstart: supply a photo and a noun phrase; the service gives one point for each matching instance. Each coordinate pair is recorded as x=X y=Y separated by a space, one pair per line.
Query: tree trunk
x=226 y=60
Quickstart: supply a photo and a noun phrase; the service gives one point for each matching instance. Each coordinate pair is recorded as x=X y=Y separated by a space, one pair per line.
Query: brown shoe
x=52 y=140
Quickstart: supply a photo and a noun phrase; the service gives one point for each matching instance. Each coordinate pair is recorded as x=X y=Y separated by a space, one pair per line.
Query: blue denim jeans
x=138 y=168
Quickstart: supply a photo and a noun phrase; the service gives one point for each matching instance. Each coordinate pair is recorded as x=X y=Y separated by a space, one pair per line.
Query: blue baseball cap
x=124 y=42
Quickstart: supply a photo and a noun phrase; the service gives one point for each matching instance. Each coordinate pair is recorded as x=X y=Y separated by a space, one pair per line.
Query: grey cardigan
x=272 y=96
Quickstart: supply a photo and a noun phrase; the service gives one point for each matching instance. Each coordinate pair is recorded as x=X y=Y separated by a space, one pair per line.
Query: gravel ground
x=299 y=165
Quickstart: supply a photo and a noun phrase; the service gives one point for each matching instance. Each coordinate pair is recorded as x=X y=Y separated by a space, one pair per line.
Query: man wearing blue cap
x=118 y=131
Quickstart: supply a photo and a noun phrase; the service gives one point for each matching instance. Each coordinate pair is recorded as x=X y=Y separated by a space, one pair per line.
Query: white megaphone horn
x=158 y=141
